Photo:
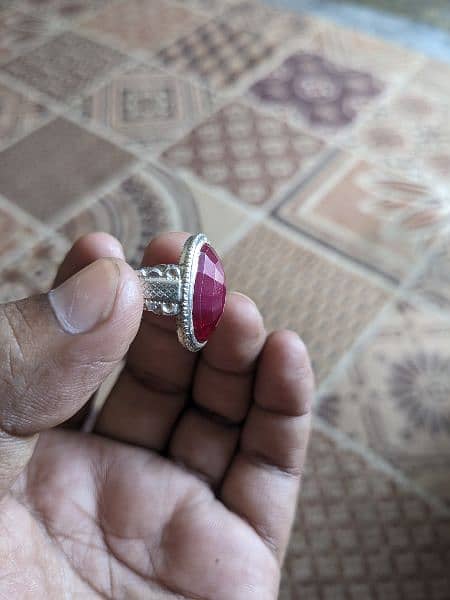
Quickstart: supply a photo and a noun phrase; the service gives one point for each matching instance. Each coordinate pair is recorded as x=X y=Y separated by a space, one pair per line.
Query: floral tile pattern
x=148 y=106
x=17 y=30
x=373 y=216
x=218 y=54
x=411 y=133
x=65 y=66
x=395 y=397
x=18 y=115
x=358 y=535
x=317 y=91
x=299 y=289
x=249 y=153
x=71 y=162
x=138 y=209
x=137 y=24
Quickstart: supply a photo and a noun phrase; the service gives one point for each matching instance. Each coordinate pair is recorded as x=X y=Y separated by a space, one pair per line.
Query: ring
x=193 y=290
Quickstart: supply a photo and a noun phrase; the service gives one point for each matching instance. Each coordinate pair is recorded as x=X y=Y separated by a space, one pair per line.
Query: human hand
x=187 y=487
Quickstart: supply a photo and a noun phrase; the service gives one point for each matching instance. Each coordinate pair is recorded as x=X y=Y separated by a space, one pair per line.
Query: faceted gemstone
x=209 y=293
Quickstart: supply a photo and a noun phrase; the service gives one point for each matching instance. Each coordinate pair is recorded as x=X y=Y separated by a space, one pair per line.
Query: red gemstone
x=209 y=293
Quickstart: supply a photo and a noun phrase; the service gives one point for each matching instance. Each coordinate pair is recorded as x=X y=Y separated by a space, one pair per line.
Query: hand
x=188 y=486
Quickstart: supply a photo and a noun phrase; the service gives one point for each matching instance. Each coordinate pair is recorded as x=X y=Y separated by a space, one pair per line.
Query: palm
x=187 y=487
x=123 y=522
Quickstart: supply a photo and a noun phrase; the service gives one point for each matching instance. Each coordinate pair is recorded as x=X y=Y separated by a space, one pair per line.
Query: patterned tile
x=254 y=15
x=411 y=133
x=18 y=115
x=395 y=397
x=33 y=272
x=65 y=66
x=70 y=163
x=18 y=30
x=433 y=283
x=207 y=6
x=317 y=91
x=218 y=54
x=67 y=9
x=139 y=208
x=148 y=106
x=250 y=154
x=139 y=24
x=359 y=536
x=373 y=216
x=298 y=289
x=14 y=234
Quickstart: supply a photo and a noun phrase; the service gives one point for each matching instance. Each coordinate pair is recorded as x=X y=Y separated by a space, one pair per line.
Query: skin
x=187 y=487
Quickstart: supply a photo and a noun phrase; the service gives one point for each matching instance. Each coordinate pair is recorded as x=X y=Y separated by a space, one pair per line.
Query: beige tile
x=298 y=289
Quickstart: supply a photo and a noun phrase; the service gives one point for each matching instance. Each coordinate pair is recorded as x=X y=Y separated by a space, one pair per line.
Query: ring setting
x=194 y=290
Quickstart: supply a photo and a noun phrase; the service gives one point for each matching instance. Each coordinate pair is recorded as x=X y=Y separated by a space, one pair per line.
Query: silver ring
x=193 y=290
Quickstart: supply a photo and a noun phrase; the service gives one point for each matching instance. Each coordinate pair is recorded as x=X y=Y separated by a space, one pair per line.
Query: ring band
x=193 y=290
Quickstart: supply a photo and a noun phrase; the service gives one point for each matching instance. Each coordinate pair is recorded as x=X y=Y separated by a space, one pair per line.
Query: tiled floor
x=317 y=159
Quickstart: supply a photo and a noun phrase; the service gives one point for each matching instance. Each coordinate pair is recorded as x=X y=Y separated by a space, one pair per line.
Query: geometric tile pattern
x=351 y=215
x=299 y=289
x=411 y=132
x=18 y=115
x=138 y=209
x=148 y=106
x=375 y=217
x=358 y=535
x=72 y=161
x=139 y=24
x=33 y=272
x=17 y=30
x=218 y=54
x=65 y=66
x=318 y=91
x=395 y=396
x=67 y=9
x=249 y=153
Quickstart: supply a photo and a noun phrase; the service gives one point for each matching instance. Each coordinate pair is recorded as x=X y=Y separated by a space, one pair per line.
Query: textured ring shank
x=161 y=285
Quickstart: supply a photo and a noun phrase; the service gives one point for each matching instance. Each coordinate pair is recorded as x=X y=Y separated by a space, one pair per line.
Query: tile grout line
x=377 y=462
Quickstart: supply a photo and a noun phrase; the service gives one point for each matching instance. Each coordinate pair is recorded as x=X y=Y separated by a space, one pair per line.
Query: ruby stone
x=209 y=293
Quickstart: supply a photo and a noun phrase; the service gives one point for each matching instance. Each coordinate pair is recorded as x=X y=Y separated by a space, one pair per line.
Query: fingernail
x=86 y=299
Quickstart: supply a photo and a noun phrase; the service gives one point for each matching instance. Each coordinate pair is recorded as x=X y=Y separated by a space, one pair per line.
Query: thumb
x=55 y=351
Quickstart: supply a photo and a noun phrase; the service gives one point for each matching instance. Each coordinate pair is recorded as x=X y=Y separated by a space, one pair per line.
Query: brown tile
x=433 y=282
x=138 y=209
x=411 y=132
x=58 y=163
x=299 y=289
x=149 y=107
x=18 y=30
x=137 y=24
x=375 y=217
x=218 y=54
x=250 y=154
x=395 y=396
x=33 y=272
x=358 y=535
x=64 y=67
x=18 y=115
